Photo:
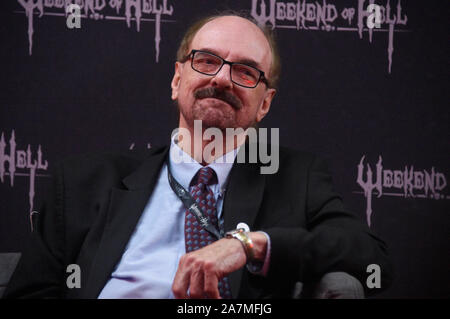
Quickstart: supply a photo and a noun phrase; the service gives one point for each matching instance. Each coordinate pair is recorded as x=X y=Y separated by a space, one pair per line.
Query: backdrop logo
x=405 y=183
x=324 y=16
x=112 y=10
x=21 y=162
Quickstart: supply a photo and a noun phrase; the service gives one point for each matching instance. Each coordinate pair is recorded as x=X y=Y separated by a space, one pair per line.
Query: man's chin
x=213 y=116
x=213 y=103
x=215 y=122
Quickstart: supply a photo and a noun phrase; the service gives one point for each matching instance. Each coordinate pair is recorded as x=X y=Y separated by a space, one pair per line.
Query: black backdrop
x=342 y=95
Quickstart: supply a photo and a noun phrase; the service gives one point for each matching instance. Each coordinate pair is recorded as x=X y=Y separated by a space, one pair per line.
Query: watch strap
x=241 y=235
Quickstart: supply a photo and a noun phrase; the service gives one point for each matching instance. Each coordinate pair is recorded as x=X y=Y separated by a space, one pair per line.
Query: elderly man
x=156 y=228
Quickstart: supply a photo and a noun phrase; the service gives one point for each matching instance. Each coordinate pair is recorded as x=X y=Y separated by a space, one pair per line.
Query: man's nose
x=223 y=78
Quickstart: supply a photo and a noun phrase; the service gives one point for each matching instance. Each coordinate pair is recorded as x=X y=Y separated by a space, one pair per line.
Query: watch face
x=229 y=234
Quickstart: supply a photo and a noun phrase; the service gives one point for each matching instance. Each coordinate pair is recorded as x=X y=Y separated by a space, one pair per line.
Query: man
x=128 y=224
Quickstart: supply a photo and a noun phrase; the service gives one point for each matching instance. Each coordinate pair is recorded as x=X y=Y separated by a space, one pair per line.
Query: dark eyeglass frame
x=261 y=78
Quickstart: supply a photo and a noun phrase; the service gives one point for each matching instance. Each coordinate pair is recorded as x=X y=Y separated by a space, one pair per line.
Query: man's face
x=237 y=40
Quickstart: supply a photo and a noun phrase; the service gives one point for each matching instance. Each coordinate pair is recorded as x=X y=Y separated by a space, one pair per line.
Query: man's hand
x=200 y=270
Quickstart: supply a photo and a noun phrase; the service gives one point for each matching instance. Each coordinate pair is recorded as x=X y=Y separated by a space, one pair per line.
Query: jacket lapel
x=241 y=204
x=125 y=209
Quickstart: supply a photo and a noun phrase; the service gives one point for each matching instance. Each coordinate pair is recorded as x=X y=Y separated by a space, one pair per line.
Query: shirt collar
x=183 y=171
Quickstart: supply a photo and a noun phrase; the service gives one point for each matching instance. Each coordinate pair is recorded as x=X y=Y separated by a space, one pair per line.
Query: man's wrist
x=243 y=237
x=259 y=240
x=254 y=244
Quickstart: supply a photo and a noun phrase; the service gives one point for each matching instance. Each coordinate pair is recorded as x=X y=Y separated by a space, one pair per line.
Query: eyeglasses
x=241 y=74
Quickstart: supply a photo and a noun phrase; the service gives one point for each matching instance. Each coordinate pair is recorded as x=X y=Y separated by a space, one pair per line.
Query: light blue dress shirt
x=148 y=266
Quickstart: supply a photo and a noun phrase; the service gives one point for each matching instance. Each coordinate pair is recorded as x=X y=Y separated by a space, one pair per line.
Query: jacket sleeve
x=334 y=239
x=40 y=272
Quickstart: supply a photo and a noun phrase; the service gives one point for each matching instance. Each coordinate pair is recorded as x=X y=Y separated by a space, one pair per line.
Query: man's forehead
x=234 y=38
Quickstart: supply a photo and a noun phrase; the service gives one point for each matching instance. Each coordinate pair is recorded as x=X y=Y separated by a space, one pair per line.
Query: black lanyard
x=191 y=204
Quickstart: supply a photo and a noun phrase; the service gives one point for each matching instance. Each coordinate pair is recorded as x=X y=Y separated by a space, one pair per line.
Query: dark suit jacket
x=96 y=202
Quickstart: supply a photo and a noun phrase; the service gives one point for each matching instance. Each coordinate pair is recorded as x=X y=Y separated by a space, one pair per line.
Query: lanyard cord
x=191 y=204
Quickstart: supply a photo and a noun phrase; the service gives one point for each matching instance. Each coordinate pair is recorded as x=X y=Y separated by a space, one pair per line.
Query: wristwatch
x=241 y=235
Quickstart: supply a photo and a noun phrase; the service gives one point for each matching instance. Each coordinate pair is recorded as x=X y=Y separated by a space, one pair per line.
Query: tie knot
x=206 y=176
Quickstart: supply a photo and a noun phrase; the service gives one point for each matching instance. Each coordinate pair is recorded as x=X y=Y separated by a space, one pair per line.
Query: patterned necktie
x=196 y=236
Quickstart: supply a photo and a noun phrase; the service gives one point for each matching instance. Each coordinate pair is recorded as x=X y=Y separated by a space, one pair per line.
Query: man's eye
x=207 y=61
x=245 y=73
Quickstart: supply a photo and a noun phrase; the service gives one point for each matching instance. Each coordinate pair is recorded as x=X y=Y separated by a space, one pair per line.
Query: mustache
x=218 y=94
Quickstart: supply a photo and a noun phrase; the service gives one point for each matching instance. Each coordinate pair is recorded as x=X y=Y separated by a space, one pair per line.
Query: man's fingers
x=181 y=280
x=200 y=271
x=211 y=283
x=196 y=283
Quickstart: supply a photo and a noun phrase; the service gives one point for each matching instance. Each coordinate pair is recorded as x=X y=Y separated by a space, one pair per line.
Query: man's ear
x=265 y=106
x=176 y=80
